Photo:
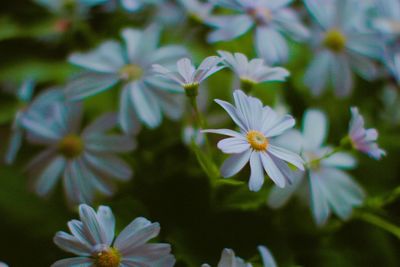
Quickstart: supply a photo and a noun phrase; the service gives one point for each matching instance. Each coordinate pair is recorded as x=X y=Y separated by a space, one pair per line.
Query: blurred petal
x=319 y=203
x=340 y=160
x=127 y=117
x=106 y=58
x=89 y=84
x=271 y=46
x=109 y=165
x=228 y=27
x=49 y=176
x=315 y=128
x=342 y=77
x=109 y=143
x=145 y=105
x=102 y=124
x=318 y=72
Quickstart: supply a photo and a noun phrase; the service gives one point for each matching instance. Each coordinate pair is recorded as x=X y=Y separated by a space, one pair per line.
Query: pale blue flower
x=145 y=97
x=325 y=184
x=41 y=107
x=2 y=264
x=340 y=45
x=228 y=259
x=254 y=71
x=388 y=24
x=187 y=76
x=272 y=20
x=266 y=256
x=192 y=134
x=94 y=241
x=255 y=142
x=363 y=139
x=388 y=19
x=197 y=10
x=86 y=162
x=135 y=5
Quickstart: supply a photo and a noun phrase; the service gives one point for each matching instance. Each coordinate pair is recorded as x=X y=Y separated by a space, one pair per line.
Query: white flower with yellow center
x=259 y=126
x=92 y=239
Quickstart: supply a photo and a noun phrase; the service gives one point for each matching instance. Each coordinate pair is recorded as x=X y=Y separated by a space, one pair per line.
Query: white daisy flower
x=256 y=142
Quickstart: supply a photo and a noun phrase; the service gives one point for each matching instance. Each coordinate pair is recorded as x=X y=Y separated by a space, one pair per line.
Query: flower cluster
x=149 y=79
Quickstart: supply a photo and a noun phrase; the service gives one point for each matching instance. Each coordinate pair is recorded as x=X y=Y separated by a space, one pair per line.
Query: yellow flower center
x=107 y=258
x=257 y=140
x=131 y=72
x=314 y=161
x=335 y=40
x=71 y=146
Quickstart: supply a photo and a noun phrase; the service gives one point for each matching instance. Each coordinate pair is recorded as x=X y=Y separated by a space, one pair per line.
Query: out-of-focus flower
x=388 y=24
x=259 y=127
x=86 y=162
x=254 y=71
x=330 y=189
x=197 y=10
x=192 y=134
x=228 y=259
x=391 y=105
x=40 y=107
x=271 y=19
x=363 y=139
x=340 y=45
x=2 y=264
x=135 y=5
x=145 y=97
x=187 y=76
x=92 y=239
x=266 y=256
x=388 y=20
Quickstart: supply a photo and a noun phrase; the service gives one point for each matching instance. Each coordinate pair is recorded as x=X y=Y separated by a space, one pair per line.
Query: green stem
x=379 y=222
x=197 y=118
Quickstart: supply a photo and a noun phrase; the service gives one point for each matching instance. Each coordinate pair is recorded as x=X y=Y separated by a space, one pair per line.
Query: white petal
x=272 y=170
x=233 y=145
x=286 y=155
x=235 y=163
x=257 y=173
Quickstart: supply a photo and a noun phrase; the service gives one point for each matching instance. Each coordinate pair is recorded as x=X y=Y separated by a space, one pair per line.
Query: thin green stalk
x=379 y=222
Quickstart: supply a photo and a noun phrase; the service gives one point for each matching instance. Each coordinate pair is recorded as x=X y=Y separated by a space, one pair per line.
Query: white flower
x=259 y=126
x=187 y=75
x=228 y=259
x=254 y=71
x=325 y=184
